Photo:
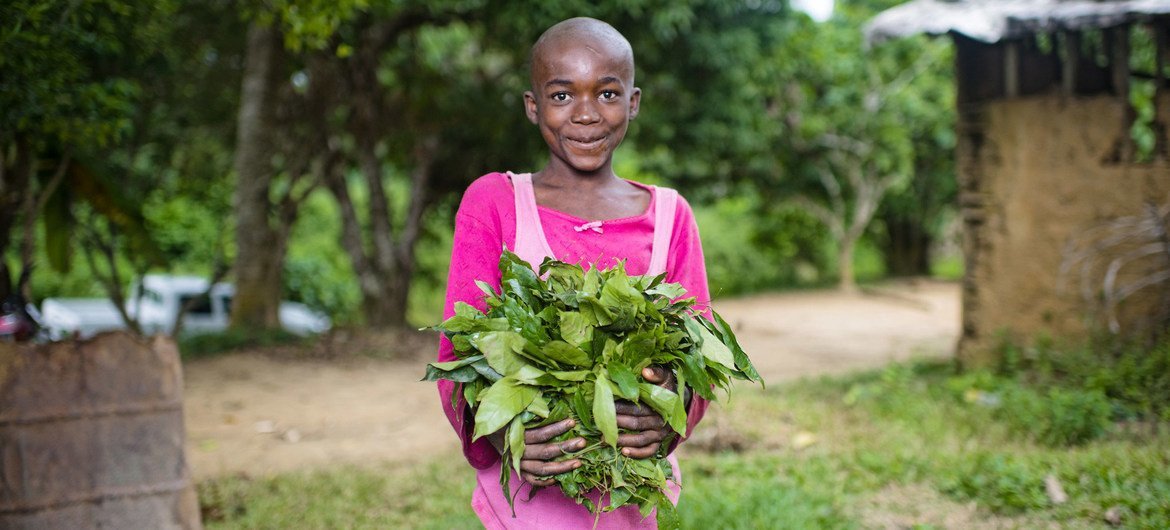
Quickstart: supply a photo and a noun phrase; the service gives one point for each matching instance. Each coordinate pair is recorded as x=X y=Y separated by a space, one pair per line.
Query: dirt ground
x=258 y=414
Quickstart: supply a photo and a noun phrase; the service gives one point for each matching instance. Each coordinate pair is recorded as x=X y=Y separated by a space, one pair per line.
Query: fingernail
x=570 y=423
x=579 y=444
x=626 y=452
x=576 y=465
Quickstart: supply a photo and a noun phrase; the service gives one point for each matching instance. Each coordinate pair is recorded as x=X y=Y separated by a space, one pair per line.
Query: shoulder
x=682 y=209
x=488 y=197
x=491 y=186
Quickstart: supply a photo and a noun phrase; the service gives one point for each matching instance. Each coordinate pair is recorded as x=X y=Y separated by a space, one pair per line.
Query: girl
x=576 y=210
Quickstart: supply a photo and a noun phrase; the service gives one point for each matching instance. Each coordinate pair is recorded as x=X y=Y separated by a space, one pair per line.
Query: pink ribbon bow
x=591 y=225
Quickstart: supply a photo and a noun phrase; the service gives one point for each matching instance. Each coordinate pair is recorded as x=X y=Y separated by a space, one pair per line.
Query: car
x=155 y=302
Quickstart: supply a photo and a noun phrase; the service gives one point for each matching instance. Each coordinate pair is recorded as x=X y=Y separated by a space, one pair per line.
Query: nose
x=586 y=112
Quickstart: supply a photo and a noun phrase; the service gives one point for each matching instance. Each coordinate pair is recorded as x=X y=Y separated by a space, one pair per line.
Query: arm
x=474 y=256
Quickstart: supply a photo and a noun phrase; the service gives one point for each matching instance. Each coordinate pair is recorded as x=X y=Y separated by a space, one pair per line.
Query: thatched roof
x=995 y=20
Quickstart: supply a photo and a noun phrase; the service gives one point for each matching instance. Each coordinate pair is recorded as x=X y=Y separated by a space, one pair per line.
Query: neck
x=557 y=174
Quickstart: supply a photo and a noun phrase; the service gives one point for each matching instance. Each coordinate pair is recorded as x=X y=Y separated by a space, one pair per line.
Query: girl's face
x=582 y=98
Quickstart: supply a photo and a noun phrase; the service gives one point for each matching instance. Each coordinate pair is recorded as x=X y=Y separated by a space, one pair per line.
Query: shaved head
x=581 y=32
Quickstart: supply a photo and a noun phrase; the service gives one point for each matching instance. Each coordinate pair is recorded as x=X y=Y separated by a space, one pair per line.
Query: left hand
x=649 y=430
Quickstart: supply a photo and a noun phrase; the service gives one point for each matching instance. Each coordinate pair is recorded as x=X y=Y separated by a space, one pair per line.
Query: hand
x=649 y=429
x=538 y=465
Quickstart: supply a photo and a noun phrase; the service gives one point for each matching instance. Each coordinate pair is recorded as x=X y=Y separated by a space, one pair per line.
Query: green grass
x=908 y=428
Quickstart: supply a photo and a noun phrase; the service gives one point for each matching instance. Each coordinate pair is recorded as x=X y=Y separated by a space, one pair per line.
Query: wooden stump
x=91 y=436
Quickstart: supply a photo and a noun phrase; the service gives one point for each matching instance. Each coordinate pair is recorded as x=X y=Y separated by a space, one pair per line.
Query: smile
x=587 y=143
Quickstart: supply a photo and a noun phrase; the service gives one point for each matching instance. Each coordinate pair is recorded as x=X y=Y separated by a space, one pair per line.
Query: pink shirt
x=486 y=222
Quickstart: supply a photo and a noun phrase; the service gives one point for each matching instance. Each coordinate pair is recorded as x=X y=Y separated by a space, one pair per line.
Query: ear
x=530 y=107
x=635 y=101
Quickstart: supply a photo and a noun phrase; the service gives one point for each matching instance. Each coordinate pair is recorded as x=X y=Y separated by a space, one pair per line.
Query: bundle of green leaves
x=568 y=345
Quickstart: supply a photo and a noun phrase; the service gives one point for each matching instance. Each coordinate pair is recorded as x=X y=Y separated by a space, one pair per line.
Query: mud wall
x=1032 y=175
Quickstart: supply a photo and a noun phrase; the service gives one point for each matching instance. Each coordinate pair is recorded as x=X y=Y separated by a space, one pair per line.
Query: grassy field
x=910 y=446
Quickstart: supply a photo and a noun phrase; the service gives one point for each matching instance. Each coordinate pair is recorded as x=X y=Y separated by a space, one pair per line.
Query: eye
x=559 y=97
x=609 y=95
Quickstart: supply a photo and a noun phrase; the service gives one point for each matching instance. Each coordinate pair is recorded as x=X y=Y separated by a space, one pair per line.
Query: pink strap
x=665 y=202
x=530 y=245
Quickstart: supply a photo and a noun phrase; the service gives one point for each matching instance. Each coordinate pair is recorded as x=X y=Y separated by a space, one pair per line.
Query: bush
x=1134 y=379
x=207 y=344
x=746 y=252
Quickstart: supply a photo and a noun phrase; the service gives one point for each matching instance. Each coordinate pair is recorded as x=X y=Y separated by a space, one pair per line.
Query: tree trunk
x=15 y=180
x=846 y=280
x=260 y=249
x=907 y=249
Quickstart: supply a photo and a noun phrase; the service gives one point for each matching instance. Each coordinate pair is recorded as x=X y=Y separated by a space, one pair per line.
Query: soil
x=258 y=413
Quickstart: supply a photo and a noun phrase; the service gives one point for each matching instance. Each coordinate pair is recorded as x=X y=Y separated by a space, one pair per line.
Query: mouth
x=586 y=143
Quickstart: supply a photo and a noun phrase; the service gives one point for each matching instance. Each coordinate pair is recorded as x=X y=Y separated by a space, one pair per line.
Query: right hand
x=538 y=465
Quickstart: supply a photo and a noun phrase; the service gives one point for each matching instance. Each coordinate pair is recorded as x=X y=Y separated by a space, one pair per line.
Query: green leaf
x=500 y=403
x=622 y=300
x=625 y=379
x=539 y=407
x=576 y=375
x=486 y=371
x=566 y=353
x=668 y=518
x=592 y=283
x=512 y=267
x=742 y=361
x=500 y=348
x=467 y=311
x=668 y=290
x=667 y=404
x=604 y=412
x=712 y=348
x=528 y=374
x=486 y=288
x=459 y=371
x=516 y=442
x=619 y=497
x=593 y=311
x=575 y=328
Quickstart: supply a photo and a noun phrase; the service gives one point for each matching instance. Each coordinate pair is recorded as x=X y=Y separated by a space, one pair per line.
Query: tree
x=68 y=92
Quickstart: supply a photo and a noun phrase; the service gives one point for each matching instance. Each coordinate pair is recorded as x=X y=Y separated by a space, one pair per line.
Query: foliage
x=782 y=250
x=566 y=347
x=1134 y=377
x=407 y=96
x=210 y=344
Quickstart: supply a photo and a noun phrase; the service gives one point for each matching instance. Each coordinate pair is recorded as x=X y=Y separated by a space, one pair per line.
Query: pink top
x=487 y=221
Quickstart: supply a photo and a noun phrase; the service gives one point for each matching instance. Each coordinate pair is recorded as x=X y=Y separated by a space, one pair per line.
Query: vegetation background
x=315 y=151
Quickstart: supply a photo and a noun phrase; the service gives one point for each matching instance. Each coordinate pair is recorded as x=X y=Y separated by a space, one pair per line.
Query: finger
x=640 y=439
x=626 y=408
x=543 y=468
x=537 y=481
x=552 y=450
x=641 y=423
x=548 y=432
x=660 y=376
x=655 y=374
x=641 y=452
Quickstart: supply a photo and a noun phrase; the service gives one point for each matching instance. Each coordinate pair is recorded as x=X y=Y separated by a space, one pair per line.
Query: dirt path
x=256 y=415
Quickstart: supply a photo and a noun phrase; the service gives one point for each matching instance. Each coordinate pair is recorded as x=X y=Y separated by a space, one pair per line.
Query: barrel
x=91 y=436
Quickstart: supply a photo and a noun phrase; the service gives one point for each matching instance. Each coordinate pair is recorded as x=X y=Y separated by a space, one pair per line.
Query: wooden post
x=1071 y=41
x=1011 y=69
x=1117 y=38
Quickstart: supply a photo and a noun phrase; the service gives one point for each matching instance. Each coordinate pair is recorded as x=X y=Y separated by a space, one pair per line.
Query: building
x=1050 y=149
